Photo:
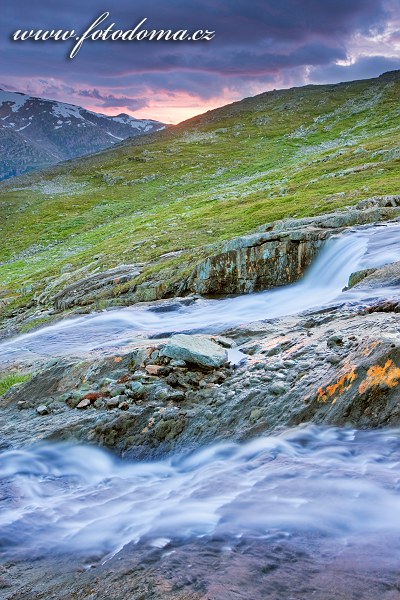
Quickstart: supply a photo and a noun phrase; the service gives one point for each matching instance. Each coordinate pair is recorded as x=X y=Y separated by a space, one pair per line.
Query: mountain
x=167 y=200
x=35 y=132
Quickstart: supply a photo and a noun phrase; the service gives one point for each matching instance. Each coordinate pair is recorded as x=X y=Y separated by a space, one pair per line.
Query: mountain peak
x=37 y=132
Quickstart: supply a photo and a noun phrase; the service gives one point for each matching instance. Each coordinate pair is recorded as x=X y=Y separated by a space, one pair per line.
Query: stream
x=337 y=483
x=322 y=286
x=302 y=498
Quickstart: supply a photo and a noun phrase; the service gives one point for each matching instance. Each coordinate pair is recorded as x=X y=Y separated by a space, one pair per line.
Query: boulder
x=386 y=276
x=196 y=349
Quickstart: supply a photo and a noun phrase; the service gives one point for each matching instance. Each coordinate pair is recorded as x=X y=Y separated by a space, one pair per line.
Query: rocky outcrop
x=332 y=368
x=387 y=276
x=257 y=262
x=280 y=252
x=86 y=291
x=277 y=254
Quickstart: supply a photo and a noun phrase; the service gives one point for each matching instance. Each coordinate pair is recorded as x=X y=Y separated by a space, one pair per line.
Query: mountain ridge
x=36 y=132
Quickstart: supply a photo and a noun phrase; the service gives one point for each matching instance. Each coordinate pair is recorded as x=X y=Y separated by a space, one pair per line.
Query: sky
x=259 y=45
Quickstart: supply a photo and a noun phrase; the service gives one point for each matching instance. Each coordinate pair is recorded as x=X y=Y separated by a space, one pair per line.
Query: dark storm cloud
x=259 y=40
x=359 y=70
x=112 y=101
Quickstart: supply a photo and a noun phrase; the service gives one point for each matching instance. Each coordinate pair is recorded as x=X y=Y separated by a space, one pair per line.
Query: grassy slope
x=285 y=153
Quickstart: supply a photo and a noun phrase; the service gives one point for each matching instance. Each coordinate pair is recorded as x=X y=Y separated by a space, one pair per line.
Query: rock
x=335 y=341
x=384 y=306
x=177 y=363
x=332 y=359
x=154 y=369
x=85 y=403
x=176 y=395
x=117 y=390
x=137 y=389
x=113 y=402
x=256 y=262
x=42 y=410
x=224 y=341
x=358 y=276
x=278 y=388
x=23 y=405
x=86 y=291
x=386 y=276
x=196 y=349
x=280 y=252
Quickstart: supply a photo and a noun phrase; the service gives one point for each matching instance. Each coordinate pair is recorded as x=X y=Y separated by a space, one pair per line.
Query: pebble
x=42 y=409
x=335 y=340
x=278 y=388
x=289 y=363
x=280 y=376
x=137 y=388
x=257 y=366
x=154 y=369
x=23 y=405
x=177 y=363
x=117 y=390
x=85 y=403
x=333 y=359
x=113 y=402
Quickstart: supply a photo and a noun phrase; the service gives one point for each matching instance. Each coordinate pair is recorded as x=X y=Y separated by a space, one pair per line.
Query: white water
x=331 y=482
x=334 y=482
x=321 y=287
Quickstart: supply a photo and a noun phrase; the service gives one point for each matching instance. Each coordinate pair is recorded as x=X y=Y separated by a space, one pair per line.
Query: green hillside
x=284 y=153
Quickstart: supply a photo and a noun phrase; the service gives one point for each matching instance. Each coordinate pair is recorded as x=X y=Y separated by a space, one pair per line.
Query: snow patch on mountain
x=16 y=99
x=36 y=132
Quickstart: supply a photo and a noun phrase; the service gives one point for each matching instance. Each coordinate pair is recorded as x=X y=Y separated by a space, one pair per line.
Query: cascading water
x=321 y=286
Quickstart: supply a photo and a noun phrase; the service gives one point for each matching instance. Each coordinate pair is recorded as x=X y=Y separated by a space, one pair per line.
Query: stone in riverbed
x=278 y=388
x=114 y=402
x=196 y=349
x=155 y=369
x=85 y=403
x=42 y=410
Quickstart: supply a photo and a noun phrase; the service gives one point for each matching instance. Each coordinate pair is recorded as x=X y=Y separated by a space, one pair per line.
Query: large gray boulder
x=197 y=349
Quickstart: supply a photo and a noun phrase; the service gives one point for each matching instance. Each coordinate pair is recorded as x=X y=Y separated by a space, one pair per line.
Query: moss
x=11 y=379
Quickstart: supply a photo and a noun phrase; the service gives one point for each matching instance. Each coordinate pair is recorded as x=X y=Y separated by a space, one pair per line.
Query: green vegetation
x=9 y=380
x=296 y=152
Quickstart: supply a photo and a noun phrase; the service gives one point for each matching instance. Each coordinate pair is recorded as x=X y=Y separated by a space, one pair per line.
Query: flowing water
x=334 y=490
x=336 y=483
x=321 y=286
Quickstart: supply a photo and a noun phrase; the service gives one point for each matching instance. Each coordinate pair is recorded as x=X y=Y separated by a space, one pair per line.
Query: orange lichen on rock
x=388 y=375
x=335 y=389
x=370 y=348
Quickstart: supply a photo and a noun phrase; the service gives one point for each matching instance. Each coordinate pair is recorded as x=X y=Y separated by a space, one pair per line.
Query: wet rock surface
x=281 y=251
x=388 y=275
x=336 y=367
x=214 y=568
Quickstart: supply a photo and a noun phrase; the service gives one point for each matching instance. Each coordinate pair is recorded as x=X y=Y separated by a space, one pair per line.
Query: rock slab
x=197 y=349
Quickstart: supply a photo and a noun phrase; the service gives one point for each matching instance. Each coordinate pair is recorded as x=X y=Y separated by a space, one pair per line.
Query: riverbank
x=163 y=380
